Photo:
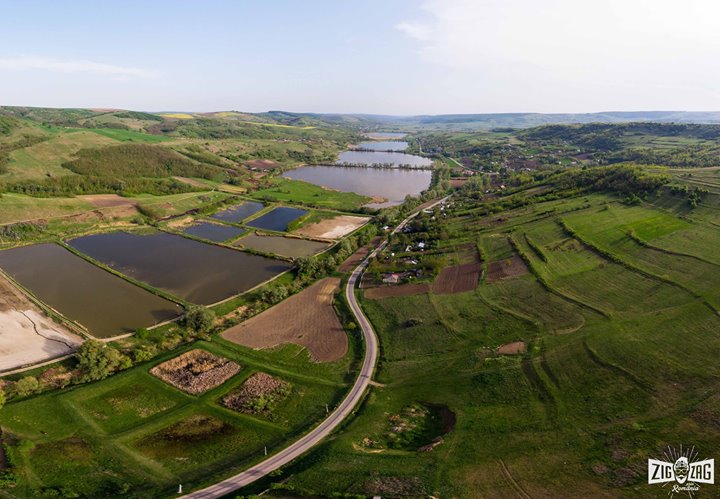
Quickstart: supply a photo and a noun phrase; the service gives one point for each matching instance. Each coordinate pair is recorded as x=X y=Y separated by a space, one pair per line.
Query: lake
x=277 y=219
x=279 y=245
x=238 y=213
x=197 y=272
x=105 y=304
x=384 y=145
x=389 y=183
x=395 y=159
x=214 y=232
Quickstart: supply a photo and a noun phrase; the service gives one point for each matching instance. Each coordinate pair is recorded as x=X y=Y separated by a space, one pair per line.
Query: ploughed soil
x=27 y=335
x=196 y=371
x=259 y=394
x=191 y=181
x=512 y=348
x=505 y=269
x=457 y=279
x=261 y=164
x=307 y=319
x=333 y=228
x=399 y=290
x=354 y=260
x=108 y=200
x=456 y=183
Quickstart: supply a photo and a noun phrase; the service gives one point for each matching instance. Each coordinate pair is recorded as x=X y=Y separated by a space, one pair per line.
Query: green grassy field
x=134 y=435
x=619 y=361
x=297 y=191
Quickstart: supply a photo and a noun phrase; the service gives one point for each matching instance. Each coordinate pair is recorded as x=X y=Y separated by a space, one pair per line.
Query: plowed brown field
x=392 y=291
x=505 y=269
x=307 y=319
x=457 y=278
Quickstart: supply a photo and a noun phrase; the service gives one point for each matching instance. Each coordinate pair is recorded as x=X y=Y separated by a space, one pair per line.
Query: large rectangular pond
x=285 y=246
x=238 y=213
x=199 y=273
x=384 y=145
x=213 y=232
x=105 y=304
x=388 y=183
x=382 y=158
x=277 y=219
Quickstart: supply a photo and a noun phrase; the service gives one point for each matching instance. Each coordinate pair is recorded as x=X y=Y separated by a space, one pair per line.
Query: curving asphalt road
x=304 y=444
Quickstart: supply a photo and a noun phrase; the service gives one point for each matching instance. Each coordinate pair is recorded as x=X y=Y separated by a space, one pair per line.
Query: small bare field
x=192 y=181
x=27 y=336
x=513 y=348
x=354 y=260
x=108 y=200
x=196 y=371
x=505 y=269
x=333 y=228
x=393 y=291
x=307 y=319
x=456 y=183
x=457 y=279
x=259 y=394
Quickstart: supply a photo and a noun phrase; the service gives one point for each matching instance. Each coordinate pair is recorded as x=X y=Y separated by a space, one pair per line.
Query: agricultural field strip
x=343 y=410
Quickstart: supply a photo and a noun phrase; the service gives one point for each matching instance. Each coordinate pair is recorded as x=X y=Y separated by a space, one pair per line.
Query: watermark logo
x=682 y=471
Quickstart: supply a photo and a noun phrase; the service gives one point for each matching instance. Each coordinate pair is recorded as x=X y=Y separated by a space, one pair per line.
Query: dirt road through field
x=337 y=416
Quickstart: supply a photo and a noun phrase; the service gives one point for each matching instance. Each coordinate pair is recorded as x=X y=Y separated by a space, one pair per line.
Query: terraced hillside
x=616 y=302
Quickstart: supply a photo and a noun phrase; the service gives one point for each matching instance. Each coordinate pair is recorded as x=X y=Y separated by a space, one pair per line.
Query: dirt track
x=27 y=335
x=307 y=319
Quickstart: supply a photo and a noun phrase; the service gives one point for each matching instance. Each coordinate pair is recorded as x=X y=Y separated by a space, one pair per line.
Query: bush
x=97 y=360
x=27 y=386
x=199 y=319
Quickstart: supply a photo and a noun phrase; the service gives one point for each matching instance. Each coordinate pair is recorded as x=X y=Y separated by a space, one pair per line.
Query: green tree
x=98 y=360
x=2 y=398
x=198 y=318
x=27 y=386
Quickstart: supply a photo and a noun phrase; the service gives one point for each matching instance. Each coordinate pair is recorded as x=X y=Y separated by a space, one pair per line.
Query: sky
x=401 y=57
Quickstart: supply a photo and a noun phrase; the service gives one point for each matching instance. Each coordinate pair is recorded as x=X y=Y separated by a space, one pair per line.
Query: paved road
x=343 y=410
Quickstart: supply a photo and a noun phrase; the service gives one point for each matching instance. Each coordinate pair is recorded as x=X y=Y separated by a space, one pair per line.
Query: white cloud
x=619 y=53
x=73 y=66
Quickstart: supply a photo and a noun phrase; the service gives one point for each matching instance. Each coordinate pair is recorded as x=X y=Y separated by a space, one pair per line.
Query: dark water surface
x=105 y=304
x=277 y=219
x=239 y=212
x=214 y=232
x=198 y=272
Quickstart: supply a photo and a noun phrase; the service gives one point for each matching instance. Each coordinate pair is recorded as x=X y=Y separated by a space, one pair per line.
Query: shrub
x=199 y=319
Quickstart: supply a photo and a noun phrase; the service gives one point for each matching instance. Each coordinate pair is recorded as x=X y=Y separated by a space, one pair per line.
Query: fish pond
x=238 y=213
x=388 y=183
x=103 y=303
x=214 y=232
x=384 y=158
x=384 y=145
x=277 y=219
x=197 y=272
x=285 y=246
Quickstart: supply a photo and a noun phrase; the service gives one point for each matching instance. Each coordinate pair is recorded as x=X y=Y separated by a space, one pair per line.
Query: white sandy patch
x=333 y=228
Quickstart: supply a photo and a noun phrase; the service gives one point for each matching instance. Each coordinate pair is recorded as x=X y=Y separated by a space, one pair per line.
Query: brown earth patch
x=261 y=164
x=506 y=269
x=354 y=260
x=108 y=200
x=307 y=319
x=456 y=183
x=257 y=395
x=196 y=371
x=457 y=278
x=333 y=228
x=393 y=486
x=191 y=181
x=400 y=290
x=512 y=348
